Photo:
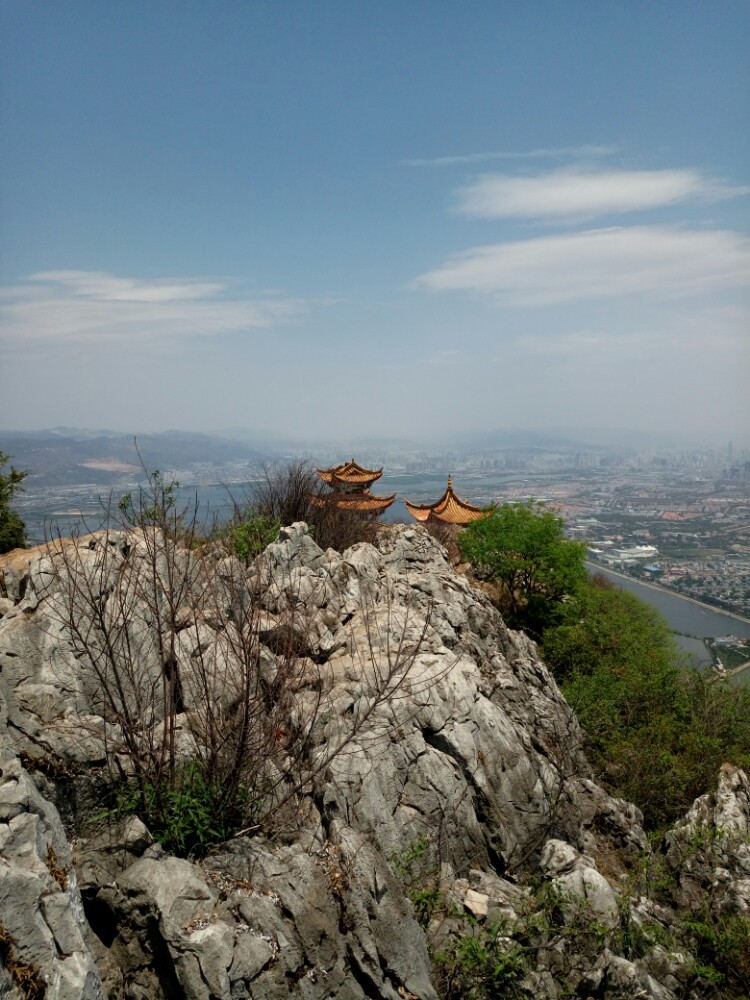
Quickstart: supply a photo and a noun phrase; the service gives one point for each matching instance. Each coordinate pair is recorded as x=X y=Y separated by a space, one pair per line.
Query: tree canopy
x=521 y=548
x=657 y=731
x=12 y=528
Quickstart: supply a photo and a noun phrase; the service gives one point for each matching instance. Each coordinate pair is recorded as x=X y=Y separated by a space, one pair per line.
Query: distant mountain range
x=67 y=456
x=70 y=455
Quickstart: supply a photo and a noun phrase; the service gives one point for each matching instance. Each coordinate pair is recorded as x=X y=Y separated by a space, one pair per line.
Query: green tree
x=522 y=550
x=12 y=528
x=656 y=730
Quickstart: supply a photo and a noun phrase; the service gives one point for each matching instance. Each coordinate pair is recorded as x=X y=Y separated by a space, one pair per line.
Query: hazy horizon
x=476 y=439
x=336 y=221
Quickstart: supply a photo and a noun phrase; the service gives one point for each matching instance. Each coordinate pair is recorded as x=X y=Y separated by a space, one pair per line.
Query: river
x=681 y=613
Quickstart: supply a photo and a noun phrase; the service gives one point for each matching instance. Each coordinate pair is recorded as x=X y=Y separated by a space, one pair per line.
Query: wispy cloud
x=580 y=344
x=600 y=263
x=560 y=152
x=445 y=357
x=583 y=194
x=95 y=306
x=106 y=287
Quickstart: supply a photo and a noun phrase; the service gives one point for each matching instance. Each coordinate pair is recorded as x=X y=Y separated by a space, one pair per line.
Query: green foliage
x=480 y=962
x=489 y=961
x=12 y=528
x=635 y=940
x=419 y=872
x=155 y=505
x=185 y=814
x=522 y=550
x=485 y=964
x=657 y=731
x=721 y=946
x=251 y=537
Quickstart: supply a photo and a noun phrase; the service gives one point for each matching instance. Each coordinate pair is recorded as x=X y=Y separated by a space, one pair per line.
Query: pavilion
x=449 y=509
x=350 y=489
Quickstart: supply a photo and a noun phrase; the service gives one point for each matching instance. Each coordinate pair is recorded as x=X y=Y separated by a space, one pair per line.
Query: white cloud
x=600 y=263
x=588 y=344
x=576 y=194
x=109 y=288
x=579 y=152
x=94 y=306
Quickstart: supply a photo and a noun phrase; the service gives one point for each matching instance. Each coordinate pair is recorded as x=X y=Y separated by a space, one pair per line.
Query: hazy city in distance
x=675 y=516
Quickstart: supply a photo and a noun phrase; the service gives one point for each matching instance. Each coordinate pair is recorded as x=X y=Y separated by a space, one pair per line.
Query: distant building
x=350 y=489
x=449 y=509
x=577 y=532
x=629 y=555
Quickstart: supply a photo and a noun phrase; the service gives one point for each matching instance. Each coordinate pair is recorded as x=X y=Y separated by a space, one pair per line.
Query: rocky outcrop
x=709 y=850
x=460 y=804
x=43 y=931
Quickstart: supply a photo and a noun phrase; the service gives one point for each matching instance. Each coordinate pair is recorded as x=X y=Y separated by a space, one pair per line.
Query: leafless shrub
x=225 y=713
x=296 y=493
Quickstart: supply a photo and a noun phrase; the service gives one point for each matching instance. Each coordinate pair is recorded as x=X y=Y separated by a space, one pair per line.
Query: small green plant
x=485 y=963
x=249 y=538
x=404 y=862
x=721 y=946
x=153 y=506
x=417 y=868
x=186 y=818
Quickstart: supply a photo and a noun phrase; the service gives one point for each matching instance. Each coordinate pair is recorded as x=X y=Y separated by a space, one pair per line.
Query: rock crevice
x=462 y=801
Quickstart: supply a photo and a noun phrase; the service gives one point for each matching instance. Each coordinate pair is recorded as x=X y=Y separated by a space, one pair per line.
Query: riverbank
x=598 y=568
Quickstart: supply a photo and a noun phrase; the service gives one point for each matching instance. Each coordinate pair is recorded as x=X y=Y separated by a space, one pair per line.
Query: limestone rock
x=710 y=847
x=41 y=914
x=443 y=758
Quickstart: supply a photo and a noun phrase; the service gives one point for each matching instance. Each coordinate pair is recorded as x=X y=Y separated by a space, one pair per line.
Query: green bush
x=12 y=528
x=721 y=945
x=657 y=731
x=185 y=814
x=418 y=868
x=251 y=537
x=484 y=964
x=522 y=550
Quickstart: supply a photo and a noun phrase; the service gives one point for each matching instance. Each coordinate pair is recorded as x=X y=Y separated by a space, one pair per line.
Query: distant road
x=737 y=670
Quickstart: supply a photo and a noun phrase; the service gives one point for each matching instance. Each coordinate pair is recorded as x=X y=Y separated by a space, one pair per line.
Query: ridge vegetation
x=656 y=729
x=12 y=528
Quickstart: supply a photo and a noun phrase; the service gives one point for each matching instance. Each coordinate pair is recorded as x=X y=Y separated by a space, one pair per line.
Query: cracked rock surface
x=476 y=757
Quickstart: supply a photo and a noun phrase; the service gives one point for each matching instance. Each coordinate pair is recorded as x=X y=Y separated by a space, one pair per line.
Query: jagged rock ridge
x=477 y=759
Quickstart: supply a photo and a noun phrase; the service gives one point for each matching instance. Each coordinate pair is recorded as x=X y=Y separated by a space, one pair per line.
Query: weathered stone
x=710 y=847
x=40 y=907
x=444 y=758
x=477 y=903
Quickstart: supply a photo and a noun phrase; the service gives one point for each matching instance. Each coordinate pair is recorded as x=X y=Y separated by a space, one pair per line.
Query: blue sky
x=393 y=218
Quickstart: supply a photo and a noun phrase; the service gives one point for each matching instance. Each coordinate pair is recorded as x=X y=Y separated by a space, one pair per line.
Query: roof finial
x=450 y=482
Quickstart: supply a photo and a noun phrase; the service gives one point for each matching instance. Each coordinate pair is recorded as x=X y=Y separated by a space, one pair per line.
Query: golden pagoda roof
x=450 y=509
x=361 y=502
x=350 y=473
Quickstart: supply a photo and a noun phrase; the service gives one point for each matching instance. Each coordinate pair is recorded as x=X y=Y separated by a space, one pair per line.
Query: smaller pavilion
x=350 y=489
x=449 y=509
